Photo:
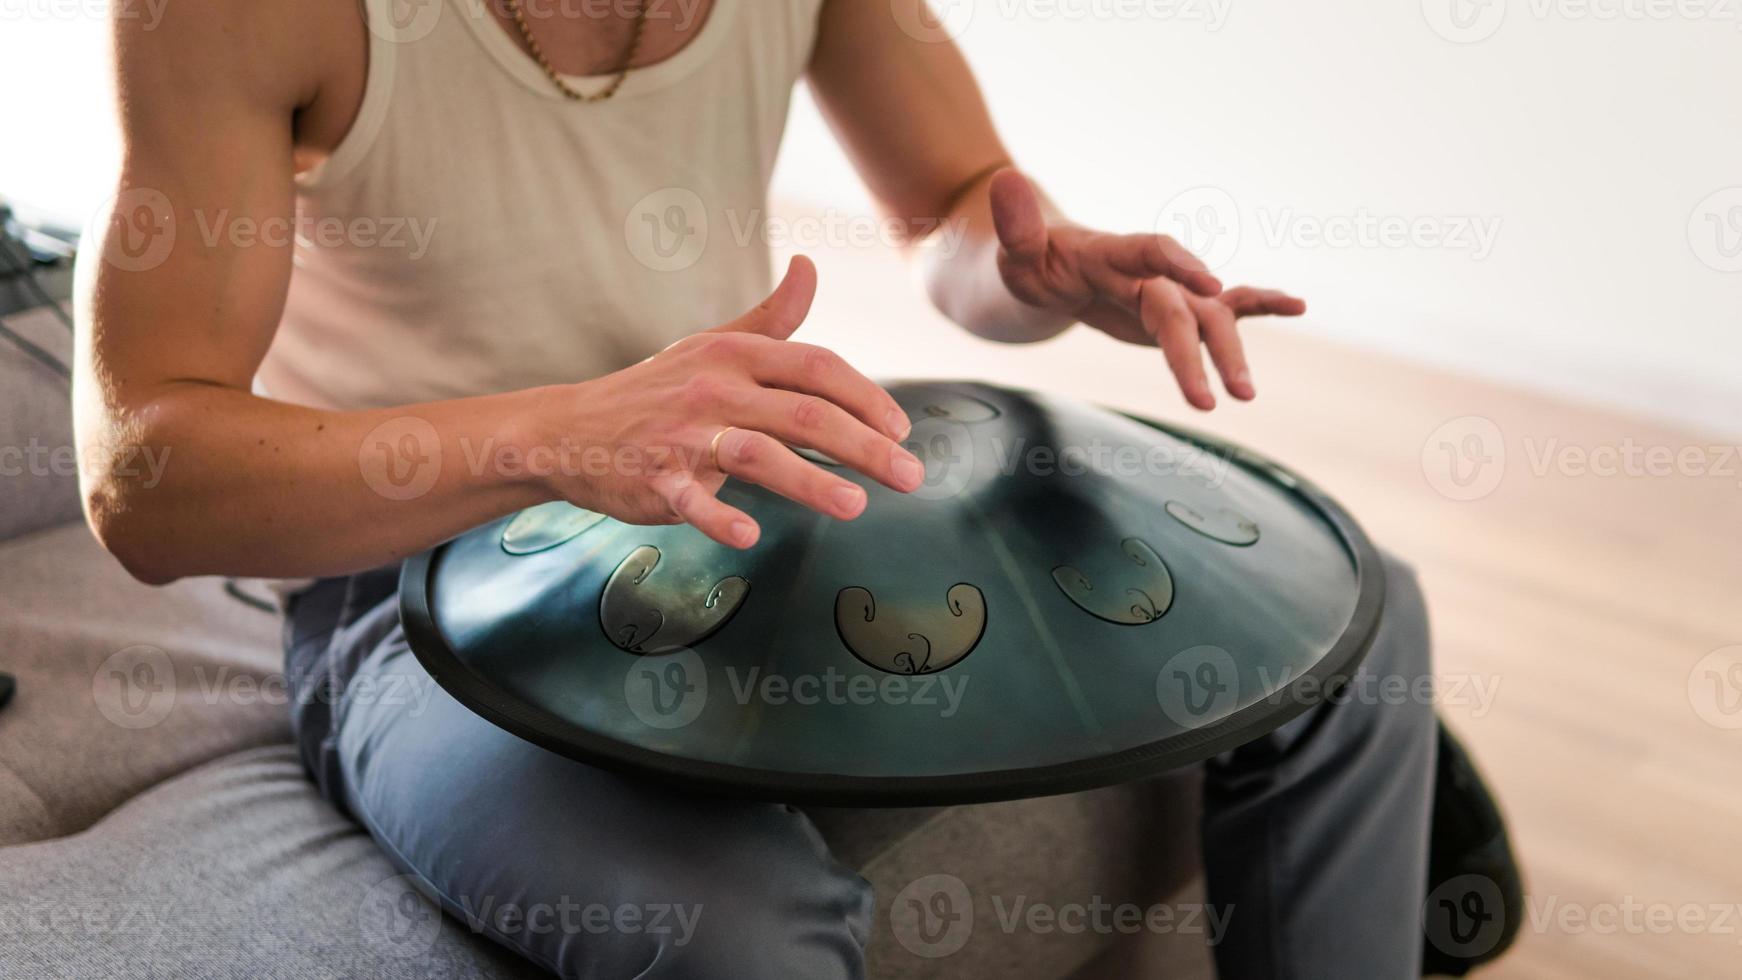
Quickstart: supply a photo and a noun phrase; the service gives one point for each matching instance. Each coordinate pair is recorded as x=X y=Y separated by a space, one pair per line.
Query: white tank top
x=477 y=232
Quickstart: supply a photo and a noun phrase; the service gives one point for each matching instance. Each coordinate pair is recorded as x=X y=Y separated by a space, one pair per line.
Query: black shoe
x=1475 y=902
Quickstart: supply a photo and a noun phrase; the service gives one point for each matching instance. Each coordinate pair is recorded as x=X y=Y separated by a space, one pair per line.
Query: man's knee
x=767 y=928
x=760 y=898
x=592 y=874
x=1387 y=706
x=1402 y=645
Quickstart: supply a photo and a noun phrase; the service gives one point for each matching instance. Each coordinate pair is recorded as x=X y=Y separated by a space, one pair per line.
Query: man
x=538 y=145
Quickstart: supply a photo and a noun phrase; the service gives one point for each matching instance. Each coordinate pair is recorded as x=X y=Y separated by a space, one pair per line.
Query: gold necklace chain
x=519 y=12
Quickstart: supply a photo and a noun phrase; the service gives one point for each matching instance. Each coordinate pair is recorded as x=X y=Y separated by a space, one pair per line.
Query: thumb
x=785 y=308
x=1017 y=217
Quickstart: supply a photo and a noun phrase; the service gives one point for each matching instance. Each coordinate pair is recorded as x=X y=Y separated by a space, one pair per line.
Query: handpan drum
x=1073 y=598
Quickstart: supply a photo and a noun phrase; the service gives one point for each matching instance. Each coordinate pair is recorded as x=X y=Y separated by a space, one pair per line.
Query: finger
x=1116 y=320
x=815 y=423
x=1017 y=216
x=819 y=371
x=785 y=308
x=1222 y=338
x=1146 y=256
x=695 y=503
x=1171 y=322
x=761 y=459
x=1248 y=301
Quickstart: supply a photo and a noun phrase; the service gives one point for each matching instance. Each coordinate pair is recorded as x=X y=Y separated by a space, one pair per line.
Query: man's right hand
x=657 y=426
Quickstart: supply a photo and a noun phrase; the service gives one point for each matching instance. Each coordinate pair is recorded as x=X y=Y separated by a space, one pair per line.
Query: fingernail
x=744 y=533
x=908 y=471
x=897 y=424
x=848 y=500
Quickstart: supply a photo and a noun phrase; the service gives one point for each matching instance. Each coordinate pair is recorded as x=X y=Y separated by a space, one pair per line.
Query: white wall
x=57 y=142
x=1591 y=135
x=1589 y=143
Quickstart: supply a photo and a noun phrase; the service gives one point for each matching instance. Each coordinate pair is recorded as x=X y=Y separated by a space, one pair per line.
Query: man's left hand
x=1141 y=288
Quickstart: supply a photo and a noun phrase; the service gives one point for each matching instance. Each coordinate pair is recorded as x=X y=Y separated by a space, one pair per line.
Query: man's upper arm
x=906 y=108
x=174 y=287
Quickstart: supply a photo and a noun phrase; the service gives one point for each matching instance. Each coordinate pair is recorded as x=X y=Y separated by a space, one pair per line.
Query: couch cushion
x=119 y=685
x=38 y=481
x=972 y=891
x=237 y=868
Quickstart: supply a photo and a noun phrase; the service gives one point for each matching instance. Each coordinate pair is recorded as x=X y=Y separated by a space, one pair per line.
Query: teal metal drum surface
x=1073 y=598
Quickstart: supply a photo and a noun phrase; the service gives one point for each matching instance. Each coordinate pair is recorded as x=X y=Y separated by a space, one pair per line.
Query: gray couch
x=155 y=820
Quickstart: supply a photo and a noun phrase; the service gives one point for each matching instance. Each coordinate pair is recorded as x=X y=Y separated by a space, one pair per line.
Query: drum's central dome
x=1072 y=598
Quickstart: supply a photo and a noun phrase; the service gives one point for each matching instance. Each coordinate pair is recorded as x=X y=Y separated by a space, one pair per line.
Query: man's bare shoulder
x=283 y=54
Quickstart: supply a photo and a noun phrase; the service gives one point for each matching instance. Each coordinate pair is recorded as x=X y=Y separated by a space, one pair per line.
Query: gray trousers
x=1316 y=835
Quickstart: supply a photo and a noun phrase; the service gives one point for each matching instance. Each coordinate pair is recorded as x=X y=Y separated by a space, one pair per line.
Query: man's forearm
x=203 y=479
x=959 y=263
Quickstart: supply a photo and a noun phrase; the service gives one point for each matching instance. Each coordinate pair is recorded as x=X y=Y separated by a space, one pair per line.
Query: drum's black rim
x=828 y=789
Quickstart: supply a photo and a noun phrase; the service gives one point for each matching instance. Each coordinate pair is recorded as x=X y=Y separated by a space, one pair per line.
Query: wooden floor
x=1585 y=602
